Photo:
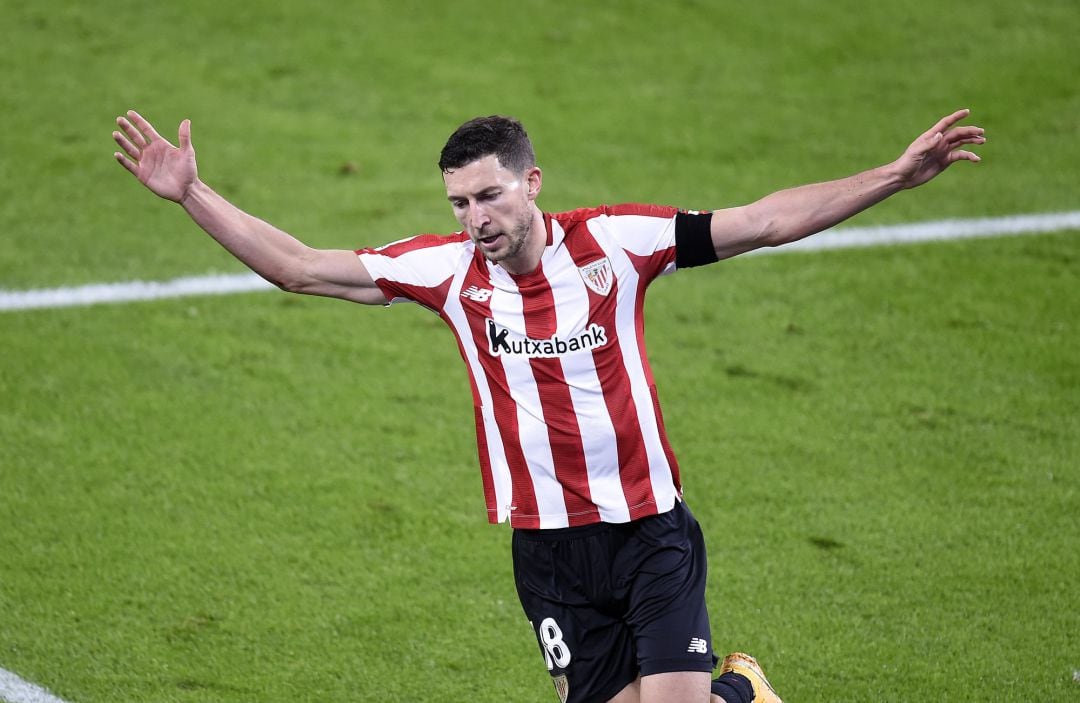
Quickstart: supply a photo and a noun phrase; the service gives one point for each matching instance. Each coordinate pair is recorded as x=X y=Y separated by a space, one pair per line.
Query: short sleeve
x=418 y=269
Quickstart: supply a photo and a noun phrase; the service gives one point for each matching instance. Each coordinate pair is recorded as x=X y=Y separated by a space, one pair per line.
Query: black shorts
x=611 y=602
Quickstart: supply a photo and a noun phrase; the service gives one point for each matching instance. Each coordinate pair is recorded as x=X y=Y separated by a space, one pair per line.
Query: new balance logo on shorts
x=698 y=645
x=477 y=294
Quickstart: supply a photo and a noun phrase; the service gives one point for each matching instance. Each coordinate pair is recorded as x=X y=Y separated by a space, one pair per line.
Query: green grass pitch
x=270 y=498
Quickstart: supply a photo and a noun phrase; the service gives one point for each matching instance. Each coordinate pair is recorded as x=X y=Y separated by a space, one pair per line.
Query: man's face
x=494 y=206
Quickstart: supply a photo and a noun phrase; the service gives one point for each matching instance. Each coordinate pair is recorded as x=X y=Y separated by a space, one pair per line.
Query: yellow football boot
x=747 y=666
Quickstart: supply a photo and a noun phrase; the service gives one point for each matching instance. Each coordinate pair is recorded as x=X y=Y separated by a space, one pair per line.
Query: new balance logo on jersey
x=698 y=646
x=501 y=342
x=478 y=294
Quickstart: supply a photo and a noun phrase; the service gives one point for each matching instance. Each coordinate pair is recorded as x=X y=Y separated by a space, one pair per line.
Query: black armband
x=693 y=239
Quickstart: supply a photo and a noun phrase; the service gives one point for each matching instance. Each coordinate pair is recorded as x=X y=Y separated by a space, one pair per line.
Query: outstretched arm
x=792 y=214
x=171 y=173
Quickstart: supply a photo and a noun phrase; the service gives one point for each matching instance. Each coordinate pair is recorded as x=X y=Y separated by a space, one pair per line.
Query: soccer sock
x=733 y=688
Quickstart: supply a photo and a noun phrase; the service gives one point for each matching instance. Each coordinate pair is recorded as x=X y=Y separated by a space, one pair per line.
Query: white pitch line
x=13 y=689
x=840 y=238
x=129 y=291
x=940 y=230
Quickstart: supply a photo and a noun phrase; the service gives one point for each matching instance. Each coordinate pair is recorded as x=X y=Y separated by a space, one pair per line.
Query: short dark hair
x=504 y=137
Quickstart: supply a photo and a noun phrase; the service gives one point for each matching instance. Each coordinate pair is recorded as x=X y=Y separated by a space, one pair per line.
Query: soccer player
x=547 y=310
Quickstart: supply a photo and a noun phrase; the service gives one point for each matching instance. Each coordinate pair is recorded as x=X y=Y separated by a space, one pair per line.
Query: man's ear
x=534 y=180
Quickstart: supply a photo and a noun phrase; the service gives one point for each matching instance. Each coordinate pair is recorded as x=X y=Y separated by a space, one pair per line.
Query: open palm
x=167 y=170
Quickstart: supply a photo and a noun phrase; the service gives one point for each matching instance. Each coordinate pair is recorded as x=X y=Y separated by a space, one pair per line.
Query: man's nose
x=478 y=217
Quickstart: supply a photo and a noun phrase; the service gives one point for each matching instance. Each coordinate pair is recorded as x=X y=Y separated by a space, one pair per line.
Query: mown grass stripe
x=839 y=238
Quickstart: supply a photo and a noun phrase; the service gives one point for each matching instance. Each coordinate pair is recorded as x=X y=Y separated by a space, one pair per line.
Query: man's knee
x=630 y=694
x=676 y=687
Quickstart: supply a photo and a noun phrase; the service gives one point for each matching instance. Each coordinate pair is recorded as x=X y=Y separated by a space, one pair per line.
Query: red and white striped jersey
x=568 y=426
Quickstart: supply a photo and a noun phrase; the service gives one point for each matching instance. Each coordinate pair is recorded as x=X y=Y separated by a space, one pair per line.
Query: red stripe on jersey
x=583 y=214
x=431 y=297
x=643 y=264
x=564 y=432
x=420 y=241
x=491 y=500
x=523 y=500
x=615 y=384
x=648 y=268
x=490 y=497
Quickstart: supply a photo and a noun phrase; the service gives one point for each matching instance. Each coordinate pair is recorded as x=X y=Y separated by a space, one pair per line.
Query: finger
x=966 y=135
x=962 y=155
x=967 y=131
x=969 y=140
x=949 y=120
x=927 y=142
x=144 y=126
x=133 y=134
x=185 y=135
x=126 y=163
x=129 y=148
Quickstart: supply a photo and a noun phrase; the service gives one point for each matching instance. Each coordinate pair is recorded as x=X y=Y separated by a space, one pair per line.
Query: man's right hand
x=168 y=171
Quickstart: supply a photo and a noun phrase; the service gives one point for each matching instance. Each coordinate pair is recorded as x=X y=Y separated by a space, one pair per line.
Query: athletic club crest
x=562 y=687
x=598 y=276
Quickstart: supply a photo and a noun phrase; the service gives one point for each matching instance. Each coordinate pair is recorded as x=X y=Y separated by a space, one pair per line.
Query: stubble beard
x=515 y=240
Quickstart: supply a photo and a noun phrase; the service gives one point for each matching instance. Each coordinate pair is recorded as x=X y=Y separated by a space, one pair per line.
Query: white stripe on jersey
x=500 y=467
x=633 y=356
x=506 y=308
x=597 y=431
x=427 y=266
x=641 y=231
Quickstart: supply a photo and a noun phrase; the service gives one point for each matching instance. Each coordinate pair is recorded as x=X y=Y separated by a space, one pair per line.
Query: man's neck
x=529 y=257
